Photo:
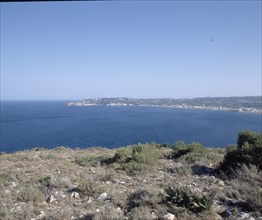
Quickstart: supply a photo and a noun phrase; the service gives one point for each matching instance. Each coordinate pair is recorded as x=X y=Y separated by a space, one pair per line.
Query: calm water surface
x=28 y=124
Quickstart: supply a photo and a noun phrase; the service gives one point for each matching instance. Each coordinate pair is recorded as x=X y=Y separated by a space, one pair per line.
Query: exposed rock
x=51 y=199
x=169 y=216
x=102 y=196
x=74 y=195
x=41 y=216
x=119 y=210
x=62 y=195
x=244 y=216
x=93 y=170
x=154 y=215
x=13 y=184
x=216 y=216
x=90 y=200
x=221 y=183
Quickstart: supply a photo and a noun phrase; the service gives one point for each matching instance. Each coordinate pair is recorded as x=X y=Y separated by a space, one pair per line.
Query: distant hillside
x=241 y=104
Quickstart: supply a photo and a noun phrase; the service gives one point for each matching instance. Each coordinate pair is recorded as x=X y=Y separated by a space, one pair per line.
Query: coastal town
x=251 y=104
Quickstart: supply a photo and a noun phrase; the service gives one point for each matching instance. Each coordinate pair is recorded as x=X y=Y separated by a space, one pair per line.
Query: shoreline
x=241 y=110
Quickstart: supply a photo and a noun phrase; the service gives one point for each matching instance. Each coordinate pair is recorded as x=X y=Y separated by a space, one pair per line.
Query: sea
x=49 y=124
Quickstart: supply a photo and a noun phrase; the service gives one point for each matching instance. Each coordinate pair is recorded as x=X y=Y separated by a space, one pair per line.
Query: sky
x=136 y=49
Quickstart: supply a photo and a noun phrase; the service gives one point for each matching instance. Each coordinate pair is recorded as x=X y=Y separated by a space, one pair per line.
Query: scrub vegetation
x=145 y=181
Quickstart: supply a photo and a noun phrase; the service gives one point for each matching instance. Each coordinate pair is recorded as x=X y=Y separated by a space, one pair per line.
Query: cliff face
x=147 y=181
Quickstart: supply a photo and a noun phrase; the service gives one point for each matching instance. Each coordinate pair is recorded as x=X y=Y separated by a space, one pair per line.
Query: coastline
x=214 y=108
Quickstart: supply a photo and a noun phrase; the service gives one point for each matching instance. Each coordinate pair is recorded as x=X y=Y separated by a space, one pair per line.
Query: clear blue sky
x=76 y=50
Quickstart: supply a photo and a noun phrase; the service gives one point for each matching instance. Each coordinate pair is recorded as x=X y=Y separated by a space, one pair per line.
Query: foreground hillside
x=148 y=181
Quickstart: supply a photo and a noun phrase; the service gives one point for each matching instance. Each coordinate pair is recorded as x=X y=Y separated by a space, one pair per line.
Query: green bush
x=89 y=188
x=131 y=167
x=184 y=197
x=91 y=160
x=5 y=179
x=247 y=136
x=143 y=197
x=146 y=154
x=138 y=157
x=190 y=152
x=248 y=151
x=123 y=155
x=3 y=212
x=31 y=193
x=141 y=213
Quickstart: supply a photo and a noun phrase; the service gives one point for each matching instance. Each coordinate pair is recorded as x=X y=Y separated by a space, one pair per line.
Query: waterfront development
x=238 y=104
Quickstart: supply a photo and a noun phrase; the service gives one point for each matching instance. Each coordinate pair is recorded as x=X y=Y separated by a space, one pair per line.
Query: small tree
x=247 y=136
x=248 y=151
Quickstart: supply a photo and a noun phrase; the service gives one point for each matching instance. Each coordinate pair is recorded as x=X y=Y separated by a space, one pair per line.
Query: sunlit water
x=48 y=124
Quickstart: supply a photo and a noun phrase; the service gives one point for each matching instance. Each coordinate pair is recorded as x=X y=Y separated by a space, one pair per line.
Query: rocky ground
x=136 y=182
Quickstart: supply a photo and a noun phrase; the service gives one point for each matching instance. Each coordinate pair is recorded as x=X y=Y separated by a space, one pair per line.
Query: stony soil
x=60 y=184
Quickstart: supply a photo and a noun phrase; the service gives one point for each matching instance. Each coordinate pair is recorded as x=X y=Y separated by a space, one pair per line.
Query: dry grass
x=134 y=179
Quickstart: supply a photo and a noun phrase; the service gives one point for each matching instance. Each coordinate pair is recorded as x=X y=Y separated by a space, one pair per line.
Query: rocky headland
x=146 y=181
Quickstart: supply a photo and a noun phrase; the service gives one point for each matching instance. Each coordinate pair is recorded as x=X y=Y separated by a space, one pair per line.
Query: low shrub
x=248 y=151
x=143 y=197
x=122 y=155
x=246 y=188
x=141 y=213
x=146 y=154
x=5 y=179
x=131 y=167
x=189 y=152
x=91 y=160
x=31 y=193
x=3 y=212
x=89 y=188
x=184 y=197
x=137 y=158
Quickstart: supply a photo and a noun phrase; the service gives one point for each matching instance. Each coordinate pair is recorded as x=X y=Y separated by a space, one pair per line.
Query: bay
x=29 y=124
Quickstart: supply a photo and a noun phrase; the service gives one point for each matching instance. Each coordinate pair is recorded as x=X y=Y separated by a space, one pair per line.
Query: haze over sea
x=29 y=124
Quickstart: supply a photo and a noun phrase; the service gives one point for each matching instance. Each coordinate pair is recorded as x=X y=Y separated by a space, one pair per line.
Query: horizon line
x=114 y=97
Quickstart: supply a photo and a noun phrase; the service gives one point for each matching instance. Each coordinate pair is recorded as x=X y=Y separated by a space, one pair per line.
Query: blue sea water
x=28 y=124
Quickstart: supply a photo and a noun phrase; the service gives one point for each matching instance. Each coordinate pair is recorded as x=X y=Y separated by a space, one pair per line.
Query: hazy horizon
x=150 y=49
x=124 y=97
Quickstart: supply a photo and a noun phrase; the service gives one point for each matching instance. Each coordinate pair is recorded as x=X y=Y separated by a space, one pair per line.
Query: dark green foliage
x=248 y=151
x=247 y=136
x=140 y=213
x=138 y=157
x=180 y=148
x=131 y=167
x=190 y=152
x=46 y=181
x=89 y=188
x=3 y=212
x=184 y=197
x=165 y=145
x=92 y=160
x=4 y=179
x=31 y=193
x=146 y=154
x=123 y=155
x=141 y=197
